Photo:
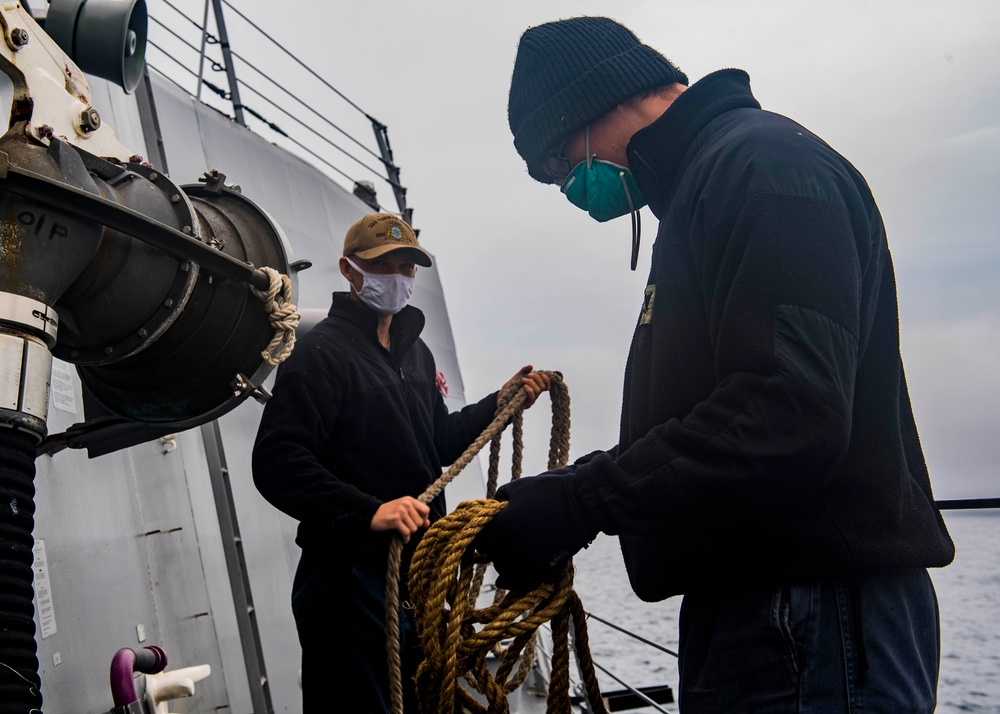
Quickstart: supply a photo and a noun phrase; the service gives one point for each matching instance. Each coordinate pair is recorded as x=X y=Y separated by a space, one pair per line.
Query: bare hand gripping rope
x=445 y=581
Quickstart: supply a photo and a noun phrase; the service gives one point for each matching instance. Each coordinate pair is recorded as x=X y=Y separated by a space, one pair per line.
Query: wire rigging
x=632 y=689
x=218 y=67
x=296 y=59
x=319 y=158
x=227 y=95
x=175 y=34
x=302 y=103
x=634 y=636
x=182 y=14
x=312 y=130
x=172 y=59
x=274 y=127
x=960 y=504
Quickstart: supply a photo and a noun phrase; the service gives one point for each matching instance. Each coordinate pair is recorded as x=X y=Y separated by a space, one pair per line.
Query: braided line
x=559 y=439
x=443 y=611
x=445 y=579
x=447 y=619
x=282 y=314
x=558 y=694
x=511 y=401
x=581 y=640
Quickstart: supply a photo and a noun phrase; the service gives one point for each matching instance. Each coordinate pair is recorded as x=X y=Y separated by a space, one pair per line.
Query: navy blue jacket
x=766 y=428
x=352 y=425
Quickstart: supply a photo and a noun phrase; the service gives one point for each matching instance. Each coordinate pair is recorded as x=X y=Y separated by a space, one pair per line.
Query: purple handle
x=126 y=663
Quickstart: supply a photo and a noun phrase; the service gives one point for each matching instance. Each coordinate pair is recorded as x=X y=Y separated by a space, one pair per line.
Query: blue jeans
x=339 y=613
x=870 y=643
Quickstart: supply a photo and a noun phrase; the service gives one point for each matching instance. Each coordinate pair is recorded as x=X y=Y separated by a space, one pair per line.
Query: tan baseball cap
x=378 y=233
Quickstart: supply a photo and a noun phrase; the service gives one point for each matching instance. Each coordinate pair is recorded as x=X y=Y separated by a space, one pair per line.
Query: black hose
x=20 y=686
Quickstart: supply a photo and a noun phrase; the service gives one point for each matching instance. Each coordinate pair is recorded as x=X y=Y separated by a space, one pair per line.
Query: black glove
x=567 y=470
x=541 y=528
x=587 y=458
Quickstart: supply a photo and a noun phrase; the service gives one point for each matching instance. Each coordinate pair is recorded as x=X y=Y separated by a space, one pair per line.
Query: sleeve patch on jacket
x=646 y=316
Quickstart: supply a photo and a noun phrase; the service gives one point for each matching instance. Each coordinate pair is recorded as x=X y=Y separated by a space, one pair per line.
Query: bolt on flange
x=90 y=120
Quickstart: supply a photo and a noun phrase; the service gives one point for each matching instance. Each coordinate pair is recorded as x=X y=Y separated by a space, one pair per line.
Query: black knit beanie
x=571 y=72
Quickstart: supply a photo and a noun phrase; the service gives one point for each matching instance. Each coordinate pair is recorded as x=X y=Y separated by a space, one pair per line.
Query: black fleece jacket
x=766 y=428
x=352 y=425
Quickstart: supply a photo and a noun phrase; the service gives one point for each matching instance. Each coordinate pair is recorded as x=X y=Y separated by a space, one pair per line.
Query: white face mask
x=385 y=294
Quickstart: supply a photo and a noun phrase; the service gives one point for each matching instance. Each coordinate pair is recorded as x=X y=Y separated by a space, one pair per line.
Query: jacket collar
x=656 y=152
x=407 y=324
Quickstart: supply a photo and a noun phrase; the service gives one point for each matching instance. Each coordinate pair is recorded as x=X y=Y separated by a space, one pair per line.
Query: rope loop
x=281 y=313
x=445 y=579
x=457 y=637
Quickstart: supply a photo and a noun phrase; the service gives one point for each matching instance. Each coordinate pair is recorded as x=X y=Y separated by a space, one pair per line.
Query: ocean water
x=968 y=592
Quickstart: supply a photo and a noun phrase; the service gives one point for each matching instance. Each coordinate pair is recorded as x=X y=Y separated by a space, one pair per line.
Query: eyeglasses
x=557 y=167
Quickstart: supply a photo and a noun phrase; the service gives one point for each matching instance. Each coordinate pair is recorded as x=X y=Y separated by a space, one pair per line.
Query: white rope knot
x=282 y=314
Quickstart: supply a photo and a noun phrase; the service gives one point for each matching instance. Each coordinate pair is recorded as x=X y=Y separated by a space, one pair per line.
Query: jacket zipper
x=409 y=410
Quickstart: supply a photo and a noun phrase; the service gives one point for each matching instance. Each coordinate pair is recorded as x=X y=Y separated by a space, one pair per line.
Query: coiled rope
x=281 y=313
x=445 y=583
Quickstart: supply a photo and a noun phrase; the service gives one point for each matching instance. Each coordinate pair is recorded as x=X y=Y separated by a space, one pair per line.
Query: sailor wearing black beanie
x=768 y=465
x=569 y=73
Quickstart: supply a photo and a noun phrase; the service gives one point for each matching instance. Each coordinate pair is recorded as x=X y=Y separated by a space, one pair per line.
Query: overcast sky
x=909 y=91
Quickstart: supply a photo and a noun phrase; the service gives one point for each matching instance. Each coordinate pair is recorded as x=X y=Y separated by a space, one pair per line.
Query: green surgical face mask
x=605 y=191
x=601 y=188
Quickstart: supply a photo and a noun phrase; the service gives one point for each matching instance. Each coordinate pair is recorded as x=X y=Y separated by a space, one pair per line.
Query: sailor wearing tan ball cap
x=357 y=428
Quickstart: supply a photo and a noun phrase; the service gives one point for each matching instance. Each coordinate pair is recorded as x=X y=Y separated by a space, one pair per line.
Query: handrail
x=632 y=689
x=963 y=504
x=634 y=636
x=383 y=152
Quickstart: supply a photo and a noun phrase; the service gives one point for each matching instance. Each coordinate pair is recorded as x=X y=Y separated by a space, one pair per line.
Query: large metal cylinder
x=43 y=249
x=25 y=369
x=131 y=292
x=193 y=371
x=158 y=339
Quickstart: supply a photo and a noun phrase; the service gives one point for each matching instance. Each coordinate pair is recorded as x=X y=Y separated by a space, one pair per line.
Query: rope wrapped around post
x=459 y=586
x=281 y=313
